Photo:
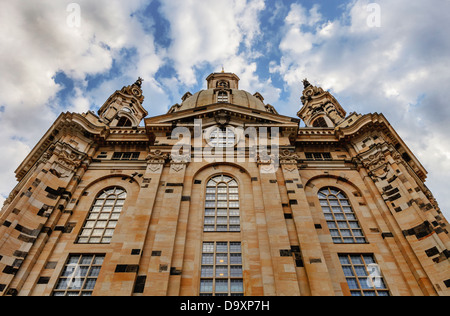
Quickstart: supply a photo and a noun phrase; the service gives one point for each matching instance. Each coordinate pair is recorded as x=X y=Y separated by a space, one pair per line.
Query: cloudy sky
x=390 y=57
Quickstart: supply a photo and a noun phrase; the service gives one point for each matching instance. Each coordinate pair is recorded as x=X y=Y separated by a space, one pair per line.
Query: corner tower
x=124 y=108
x=320 y=108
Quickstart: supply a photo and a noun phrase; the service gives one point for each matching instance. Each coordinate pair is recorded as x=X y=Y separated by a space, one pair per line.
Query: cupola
x=124 y=108
x=320 y=108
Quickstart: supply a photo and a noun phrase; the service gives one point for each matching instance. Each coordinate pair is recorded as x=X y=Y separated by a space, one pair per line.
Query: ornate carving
x=263 y=158
x=157 y=157
x=135 y=90
x=310 y=91
x=222 y=118
x=154 y=167
x=288 y=157
x=177 y=167
x=67 y=160
x=271 y=109
x=376 y=164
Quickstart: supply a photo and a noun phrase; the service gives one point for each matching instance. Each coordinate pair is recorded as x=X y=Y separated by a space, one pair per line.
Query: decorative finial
x=139 y=82
x=306 y=83
x=223 y=69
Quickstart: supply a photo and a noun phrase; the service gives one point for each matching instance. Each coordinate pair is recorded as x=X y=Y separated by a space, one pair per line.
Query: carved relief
x=67 y=160
x=267 y=162
x=376 y=164
x=288 y=157
x=157 y=157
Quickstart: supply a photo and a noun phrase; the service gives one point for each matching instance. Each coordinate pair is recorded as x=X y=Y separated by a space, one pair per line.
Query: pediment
x=222 y=114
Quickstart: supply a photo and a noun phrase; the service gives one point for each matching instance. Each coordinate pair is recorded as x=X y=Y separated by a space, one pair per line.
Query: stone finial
x=306 y=83
x=139 y=82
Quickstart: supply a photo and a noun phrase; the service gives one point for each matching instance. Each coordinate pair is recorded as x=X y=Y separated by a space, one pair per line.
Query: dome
x=234 y=96
x=223 y=88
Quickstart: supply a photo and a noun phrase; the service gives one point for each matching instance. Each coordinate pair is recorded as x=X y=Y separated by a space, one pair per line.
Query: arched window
x=222 y=97
x=222 y=205
x=342 y=222
x=124 y=122
x=103 y=217
x=222 y=84
x=223 y=138
x=320 y=122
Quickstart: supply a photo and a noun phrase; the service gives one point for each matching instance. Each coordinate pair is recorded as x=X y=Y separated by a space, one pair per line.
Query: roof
x=235 y=96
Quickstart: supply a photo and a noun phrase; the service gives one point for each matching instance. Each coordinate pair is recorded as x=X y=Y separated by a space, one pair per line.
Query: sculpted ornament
x=288 y=157
x=157 y=157
x=268 y=163
x=377 y=165
x=67 y=160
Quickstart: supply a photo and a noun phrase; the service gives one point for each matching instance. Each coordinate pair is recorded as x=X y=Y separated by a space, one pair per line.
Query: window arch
x=222 y=97
x=222 y=138
x=223 y=84
x=341 y=219
x=320 y=122
x=103 y=217
x=222 y=213
x=124 y=122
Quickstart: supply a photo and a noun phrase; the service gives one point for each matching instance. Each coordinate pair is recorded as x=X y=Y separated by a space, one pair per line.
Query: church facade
x=222 y=196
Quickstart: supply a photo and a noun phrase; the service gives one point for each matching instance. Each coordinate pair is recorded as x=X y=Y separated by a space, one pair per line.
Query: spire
x=139 y=82
x=124 y=107
x=320 y=108
x=306 y=83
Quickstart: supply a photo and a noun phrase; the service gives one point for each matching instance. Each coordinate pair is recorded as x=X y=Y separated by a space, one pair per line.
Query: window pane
x=207 y=271
x=342 y=217
x=222 y=247
x=222 y=277
x=206 y=286
x=236 y=271
x=97 y=221
x=237 y=286
x=222 y=258
x=222 y=286
x=352 y=283
x=221 y=271
x=357 y=264
x=73 y=281
x=208 y=258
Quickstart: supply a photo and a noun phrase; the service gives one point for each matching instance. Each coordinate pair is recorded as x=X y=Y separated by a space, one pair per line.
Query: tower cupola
x=320 y=108
x=124 y=108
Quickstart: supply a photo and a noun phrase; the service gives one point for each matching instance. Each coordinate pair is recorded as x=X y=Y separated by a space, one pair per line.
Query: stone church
x=222 y=196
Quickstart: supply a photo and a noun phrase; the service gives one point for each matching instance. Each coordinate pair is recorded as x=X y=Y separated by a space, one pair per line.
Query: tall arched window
x=103 y=217
x=222 y=205
x=342 y=222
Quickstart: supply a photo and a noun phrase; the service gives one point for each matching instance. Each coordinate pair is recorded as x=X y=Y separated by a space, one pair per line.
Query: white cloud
x=38 y=44
x=400 y=69
x=209 y=32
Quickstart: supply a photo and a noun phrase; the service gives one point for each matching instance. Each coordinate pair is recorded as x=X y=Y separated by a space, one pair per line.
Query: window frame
x=218 y=267
x=318 y=156
x=72 y=277
x=357 y=269
x=320 y=122
x=341 y=218
x=126 y=156
x=222 y=209
x=222 y=137
x=107 y=212
x=223 y=97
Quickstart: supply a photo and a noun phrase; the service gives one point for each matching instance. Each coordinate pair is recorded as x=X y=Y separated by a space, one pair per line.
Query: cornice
x=65 y=123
